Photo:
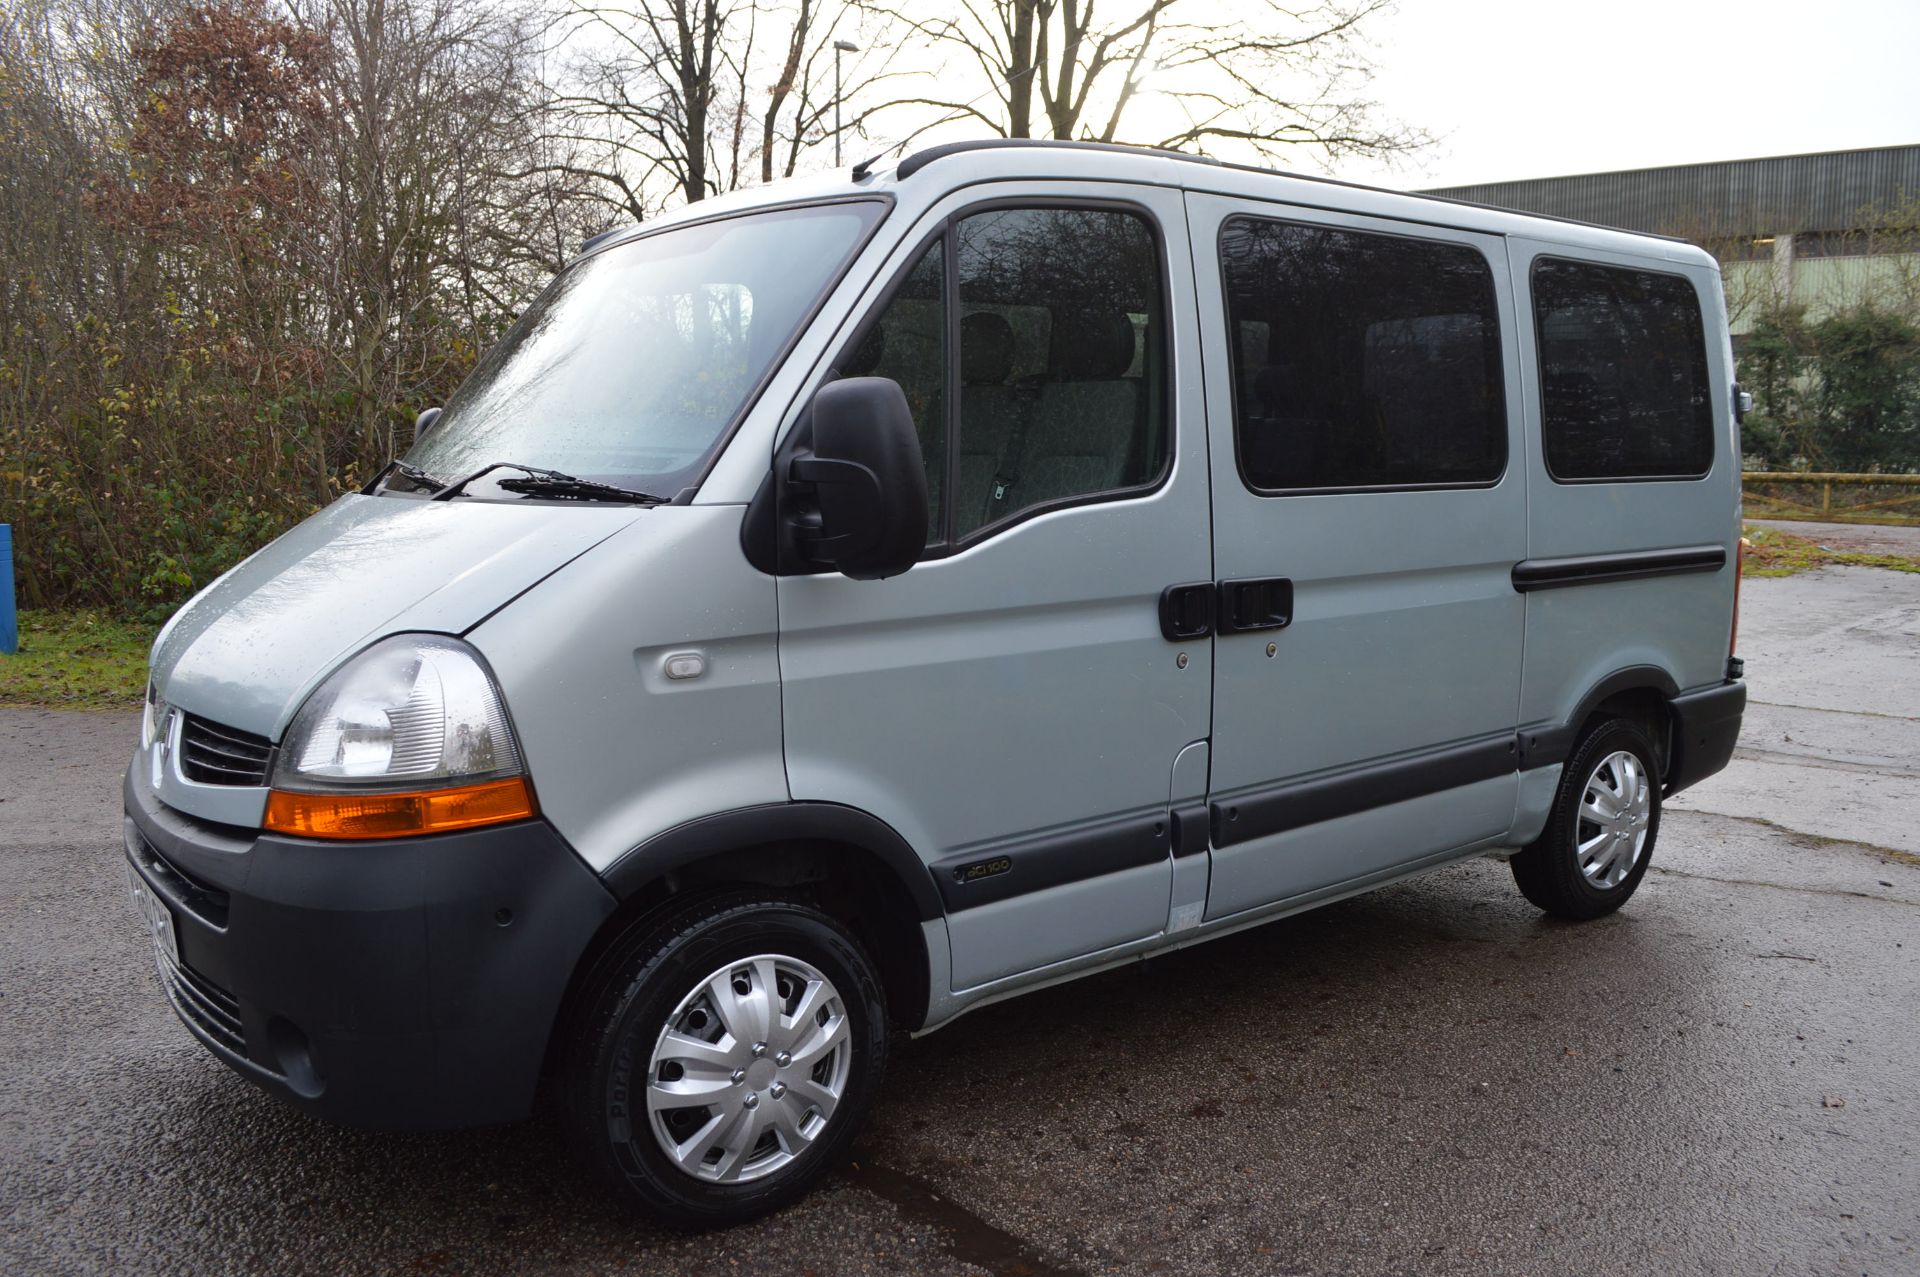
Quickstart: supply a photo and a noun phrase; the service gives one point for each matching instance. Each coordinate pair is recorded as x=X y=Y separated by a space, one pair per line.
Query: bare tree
x=801 y=111
x=639 y=96
x=418 y=259
x=665 y=101
x=1258 y=77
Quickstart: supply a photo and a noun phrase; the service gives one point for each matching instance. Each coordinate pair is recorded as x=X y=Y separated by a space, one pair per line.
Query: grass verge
x=76 y=660
x=1771 y=552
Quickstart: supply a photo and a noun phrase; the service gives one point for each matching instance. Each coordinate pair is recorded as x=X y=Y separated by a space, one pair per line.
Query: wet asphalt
x=1722 y=1078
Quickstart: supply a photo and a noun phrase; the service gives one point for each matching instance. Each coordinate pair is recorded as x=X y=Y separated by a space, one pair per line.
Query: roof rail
x=921 y=158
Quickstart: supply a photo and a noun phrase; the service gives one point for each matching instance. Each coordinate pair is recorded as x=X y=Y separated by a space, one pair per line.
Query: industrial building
x=1818 y=230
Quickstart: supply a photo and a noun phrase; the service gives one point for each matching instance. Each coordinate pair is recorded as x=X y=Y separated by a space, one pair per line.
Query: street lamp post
x=839 y=47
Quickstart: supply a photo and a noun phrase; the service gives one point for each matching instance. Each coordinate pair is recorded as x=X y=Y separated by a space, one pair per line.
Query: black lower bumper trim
x=1706 y=726
x=404 y=984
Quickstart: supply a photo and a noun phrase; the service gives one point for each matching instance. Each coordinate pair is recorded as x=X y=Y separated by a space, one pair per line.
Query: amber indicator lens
x=432 y=811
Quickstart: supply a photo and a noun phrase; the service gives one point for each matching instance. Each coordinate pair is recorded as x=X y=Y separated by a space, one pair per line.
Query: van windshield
x=635 y=362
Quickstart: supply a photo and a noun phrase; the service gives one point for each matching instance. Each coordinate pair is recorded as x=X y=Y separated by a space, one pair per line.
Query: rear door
x=1369 y=506
x=1010 y=704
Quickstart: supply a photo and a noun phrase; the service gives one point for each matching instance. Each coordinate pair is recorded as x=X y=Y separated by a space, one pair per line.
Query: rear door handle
x=1256 y=603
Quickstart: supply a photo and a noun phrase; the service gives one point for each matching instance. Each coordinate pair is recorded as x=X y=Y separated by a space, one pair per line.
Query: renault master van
x=839 y=605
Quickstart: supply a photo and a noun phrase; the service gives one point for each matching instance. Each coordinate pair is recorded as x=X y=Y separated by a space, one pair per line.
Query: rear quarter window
x=1624 y=390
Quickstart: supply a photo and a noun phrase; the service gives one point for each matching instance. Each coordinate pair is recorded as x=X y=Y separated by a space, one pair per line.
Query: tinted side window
x=1623 y=373
x=1361 y=360
x=1062 y=362
x=908 y=342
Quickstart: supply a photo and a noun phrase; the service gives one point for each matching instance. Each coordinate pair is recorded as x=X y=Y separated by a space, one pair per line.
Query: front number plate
x=166 y=949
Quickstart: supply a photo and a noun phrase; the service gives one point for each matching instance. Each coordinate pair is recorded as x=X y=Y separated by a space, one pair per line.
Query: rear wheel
x=1599 y=838
x=726 y=1058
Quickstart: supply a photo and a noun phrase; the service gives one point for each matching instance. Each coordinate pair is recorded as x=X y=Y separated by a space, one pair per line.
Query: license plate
x=166 y=949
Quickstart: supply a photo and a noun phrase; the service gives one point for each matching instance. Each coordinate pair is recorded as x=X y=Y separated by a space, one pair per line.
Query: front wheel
x=725 y=1059
x=1600 y=835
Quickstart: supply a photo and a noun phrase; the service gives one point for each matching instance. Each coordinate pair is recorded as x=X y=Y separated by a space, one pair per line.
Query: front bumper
x=403 y=984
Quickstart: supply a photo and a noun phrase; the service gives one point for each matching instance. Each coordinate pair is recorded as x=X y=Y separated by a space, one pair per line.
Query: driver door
x=1010 y=705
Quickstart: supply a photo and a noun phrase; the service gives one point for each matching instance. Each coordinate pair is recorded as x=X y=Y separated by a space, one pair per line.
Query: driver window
x=908 y=344
x=1061 y=366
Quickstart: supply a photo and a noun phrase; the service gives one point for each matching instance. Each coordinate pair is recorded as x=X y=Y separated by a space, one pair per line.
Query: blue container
x=9 y=620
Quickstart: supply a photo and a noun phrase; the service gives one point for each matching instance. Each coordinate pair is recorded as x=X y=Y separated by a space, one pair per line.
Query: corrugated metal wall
x=1783 y=195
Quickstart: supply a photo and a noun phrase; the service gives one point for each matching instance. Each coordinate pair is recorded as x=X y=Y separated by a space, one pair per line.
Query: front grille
x=216 y=755
x=208 y=1006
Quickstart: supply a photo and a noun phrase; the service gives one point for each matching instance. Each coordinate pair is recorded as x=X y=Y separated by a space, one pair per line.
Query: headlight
x=408 y=737
x=155 y=720
x=410 y=709
x=152 y=714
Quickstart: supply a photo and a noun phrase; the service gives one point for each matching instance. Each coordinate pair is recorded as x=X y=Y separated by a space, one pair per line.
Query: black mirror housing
x=859 y=493
x=426 y=421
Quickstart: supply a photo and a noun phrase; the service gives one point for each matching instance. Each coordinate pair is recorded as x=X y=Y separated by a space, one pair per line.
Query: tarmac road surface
x=1722 y=1078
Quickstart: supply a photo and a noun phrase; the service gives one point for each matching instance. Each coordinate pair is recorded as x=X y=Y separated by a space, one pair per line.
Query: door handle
x=1186 y=611
x=1256 y=603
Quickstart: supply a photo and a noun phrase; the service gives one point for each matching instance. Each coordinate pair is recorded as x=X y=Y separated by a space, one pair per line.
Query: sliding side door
x=1369 y=503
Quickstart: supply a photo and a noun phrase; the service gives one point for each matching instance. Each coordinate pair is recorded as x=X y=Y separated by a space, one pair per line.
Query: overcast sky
x=1520 y=89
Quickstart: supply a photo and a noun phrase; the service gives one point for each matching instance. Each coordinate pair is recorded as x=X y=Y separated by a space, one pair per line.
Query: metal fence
x=1833 y=498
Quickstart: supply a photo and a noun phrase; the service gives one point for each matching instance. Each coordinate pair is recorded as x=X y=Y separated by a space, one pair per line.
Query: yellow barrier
x=1762 y=503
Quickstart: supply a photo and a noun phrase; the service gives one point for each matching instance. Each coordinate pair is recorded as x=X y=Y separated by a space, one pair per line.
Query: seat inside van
x=1061 y=362
x=1077 y=423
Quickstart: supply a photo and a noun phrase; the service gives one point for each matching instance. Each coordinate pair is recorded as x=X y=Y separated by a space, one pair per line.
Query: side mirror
x=857 y=499
x=425 y=422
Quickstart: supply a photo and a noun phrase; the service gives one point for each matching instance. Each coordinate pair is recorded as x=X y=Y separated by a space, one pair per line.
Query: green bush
x=1838 y=393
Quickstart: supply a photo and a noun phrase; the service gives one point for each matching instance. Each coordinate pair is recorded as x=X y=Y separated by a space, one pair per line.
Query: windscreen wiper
x=412 y=474
x=551 y=483
x=567 y=487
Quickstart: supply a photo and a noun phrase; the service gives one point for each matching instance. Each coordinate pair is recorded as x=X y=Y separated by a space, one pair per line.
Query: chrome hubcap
x=749 y=1069
x=1615 y=813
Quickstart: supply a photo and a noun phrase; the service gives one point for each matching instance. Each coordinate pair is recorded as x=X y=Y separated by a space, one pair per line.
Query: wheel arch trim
x=1543 y=744
x=707 y=837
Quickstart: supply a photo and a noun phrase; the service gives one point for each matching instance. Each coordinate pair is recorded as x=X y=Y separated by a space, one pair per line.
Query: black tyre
x=1606 y=816
x=722 y=1057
